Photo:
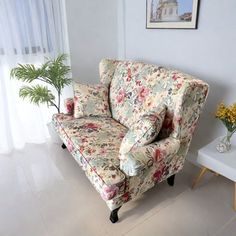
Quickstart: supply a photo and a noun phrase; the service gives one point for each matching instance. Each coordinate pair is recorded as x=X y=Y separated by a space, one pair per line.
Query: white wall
x=92 y=28
x=208 y=52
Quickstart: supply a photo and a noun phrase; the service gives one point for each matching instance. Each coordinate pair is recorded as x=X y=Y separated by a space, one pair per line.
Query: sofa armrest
x=69 y=106
x=135 y=161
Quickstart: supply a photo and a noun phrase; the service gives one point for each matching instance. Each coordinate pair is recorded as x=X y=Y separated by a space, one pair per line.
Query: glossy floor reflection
x=43 y=192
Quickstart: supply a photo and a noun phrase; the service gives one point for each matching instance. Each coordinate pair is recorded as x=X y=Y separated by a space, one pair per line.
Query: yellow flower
x=227 y=114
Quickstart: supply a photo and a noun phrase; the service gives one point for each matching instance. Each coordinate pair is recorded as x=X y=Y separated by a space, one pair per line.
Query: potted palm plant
x=52 y=75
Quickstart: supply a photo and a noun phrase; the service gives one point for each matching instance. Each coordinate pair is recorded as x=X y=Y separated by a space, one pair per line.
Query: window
x=30 y=20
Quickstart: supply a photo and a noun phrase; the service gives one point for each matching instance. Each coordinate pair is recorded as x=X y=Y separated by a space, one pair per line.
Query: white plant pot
x=54 y=137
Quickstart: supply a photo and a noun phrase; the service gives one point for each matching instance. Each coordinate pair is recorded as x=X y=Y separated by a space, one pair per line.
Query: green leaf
x=25 y=73
x=57 y=72
x=37 y=94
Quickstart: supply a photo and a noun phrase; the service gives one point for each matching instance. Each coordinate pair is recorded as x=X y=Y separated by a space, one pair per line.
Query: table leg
x=198 y=178
x=215 y=173
x=235 y=196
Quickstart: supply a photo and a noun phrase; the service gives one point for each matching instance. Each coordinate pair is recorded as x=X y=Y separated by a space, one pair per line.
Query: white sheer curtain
x=30 y=30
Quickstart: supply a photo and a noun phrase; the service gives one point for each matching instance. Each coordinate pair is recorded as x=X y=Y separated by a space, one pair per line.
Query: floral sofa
x=135 y=89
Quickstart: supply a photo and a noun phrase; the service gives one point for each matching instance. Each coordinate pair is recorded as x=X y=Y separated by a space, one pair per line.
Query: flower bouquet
x=227 y=114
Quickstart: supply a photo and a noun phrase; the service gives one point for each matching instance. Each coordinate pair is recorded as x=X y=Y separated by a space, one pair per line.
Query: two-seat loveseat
x=153 y=114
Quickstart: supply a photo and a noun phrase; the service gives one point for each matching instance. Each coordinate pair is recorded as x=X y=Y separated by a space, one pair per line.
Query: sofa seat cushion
x=94 y=142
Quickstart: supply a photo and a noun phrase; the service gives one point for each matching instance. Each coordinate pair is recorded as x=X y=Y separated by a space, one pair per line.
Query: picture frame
x=172 y=14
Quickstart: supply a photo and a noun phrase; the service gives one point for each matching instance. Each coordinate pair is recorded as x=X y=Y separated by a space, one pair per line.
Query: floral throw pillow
x=144 y=131
x=91 y=100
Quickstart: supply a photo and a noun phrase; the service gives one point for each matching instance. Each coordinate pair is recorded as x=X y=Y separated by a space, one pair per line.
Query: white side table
x=221 y=163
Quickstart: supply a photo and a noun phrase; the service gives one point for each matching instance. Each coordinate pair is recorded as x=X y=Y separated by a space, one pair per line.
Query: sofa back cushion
x=107 y=69
x=136 y=88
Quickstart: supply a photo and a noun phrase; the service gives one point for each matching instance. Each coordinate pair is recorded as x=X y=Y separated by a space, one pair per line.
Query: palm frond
x=57 y=72
x=37 y=94
x=25 y=73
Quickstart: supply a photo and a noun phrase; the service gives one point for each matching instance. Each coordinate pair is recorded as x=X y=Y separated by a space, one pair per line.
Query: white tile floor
x=43 y=192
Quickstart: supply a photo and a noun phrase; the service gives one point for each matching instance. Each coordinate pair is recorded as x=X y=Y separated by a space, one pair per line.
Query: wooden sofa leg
x=114 y=215
x=63 y=146
x=171 y=180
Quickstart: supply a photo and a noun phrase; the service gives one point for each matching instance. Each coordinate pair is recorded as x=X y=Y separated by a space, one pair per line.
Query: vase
x=224 y=144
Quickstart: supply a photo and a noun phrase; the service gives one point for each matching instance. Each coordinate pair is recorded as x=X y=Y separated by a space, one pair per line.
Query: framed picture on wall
x=171 y=14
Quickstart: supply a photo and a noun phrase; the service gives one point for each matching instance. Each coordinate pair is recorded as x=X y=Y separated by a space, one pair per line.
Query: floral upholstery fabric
x=106 y=70
x=144 y=157
x=91 y=100
x=135 y=89
x=94 y=142
x=69 y=106
x=144 y=131
x=161 y=160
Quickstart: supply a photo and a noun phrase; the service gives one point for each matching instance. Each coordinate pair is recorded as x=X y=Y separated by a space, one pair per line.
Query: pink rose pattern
x=69 y=106
x=109 y=192
x=121 y=96
x=142 y=93
x=96 y=140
